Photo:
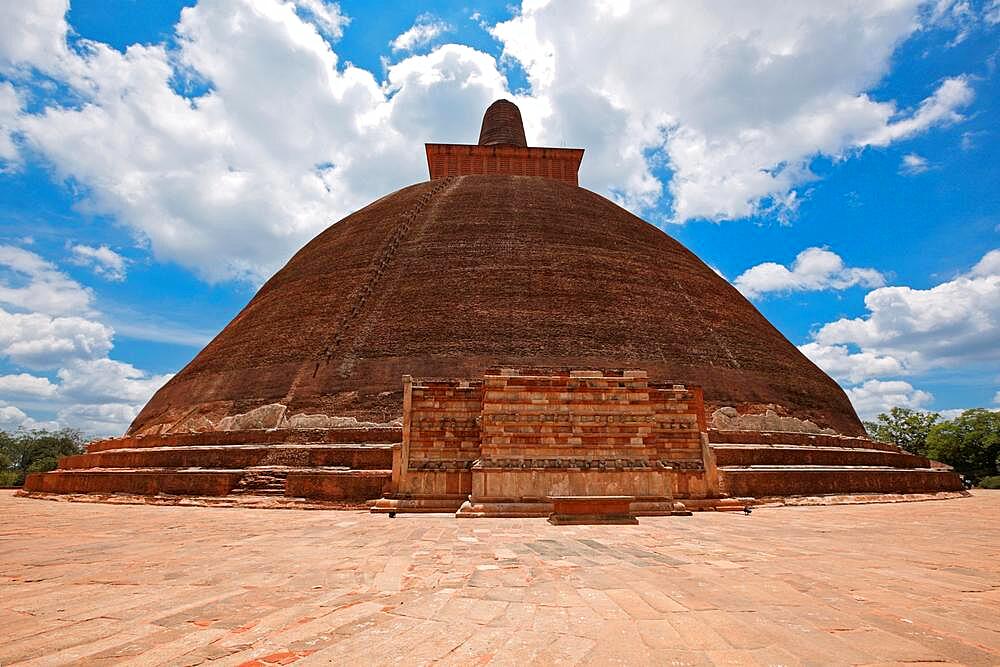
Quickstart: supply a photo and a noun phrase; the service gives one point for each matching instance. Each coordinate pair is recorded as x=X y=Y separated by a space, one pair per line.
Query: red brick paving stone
x=633 y=604
x=523 y=648
x=821 y=585
x=732 y=658
x=282 y=658
x=603 y=605
x=64 y=636
x=565 y=650
x=956 y=647
x=885 y=646
x=521 y=615
x=661 y=601
x=171 y=652
x=775 y=655
x=696 y=633
x=619 y=644
x=460 y=609
x=123 y=644
x=479 y=649
x=737 y=629
x=660 y=635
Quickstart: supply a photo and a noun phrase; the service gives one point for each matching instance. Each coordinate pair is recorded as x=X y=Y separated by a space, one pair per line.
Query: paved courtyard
x=148 y=585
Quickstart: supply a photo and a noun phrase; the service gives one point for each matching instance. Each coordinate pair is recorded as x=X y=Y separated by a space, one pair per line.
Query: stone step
x=338 y=484
x=358 y=456
x=720 y=437
x=148 y=482
x=770 y=481
x=742 y=455
x=314 y=483
x=343 y=435
x=262 y=482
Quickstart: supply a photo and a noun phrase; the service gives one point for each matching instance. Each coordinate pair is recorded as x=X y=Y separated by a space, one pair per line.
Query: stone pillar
x=440 y=443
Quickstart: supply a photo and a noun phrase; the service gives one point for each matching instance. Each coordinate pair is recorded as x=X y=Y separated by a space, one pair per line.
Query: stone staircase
x=261 y=481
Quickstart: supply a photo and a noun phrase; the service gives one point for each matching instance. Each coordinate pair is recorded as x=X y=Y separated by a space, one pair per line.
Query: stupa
x=498 y=266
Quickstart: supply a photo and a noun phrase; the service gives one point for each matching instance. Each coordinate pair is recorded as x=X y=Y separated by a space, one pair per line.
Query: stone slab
x=87 y=583
x=584 y=510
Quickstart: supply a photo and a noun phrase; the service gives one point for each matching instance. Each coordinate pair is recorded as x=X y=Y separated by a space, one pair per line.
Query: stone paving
x=87 y=583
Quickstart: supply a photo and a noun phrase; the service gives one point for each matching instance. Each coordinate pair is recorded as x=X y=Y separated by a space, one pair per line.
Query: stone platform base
x=347 y=465
x=789 y=480
x=507 y=510
x=768 y=464
x=313 y=483
x=542 y=509
x=592 y=519
x=713 y=504
x=417 y=505
x=666 y=507
x=238 y=501
x=855 y=499
x=591 y=510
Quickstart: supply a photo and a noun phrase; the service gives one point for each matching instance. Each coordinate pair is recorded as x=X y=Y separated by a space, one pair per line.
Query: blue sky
x=156 y=167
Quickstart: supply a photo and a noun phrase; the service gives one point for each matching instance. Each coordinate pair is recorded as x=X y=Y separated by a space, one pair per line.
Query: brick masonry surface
x=523 y=435
x=560 y=164
x=456 y=275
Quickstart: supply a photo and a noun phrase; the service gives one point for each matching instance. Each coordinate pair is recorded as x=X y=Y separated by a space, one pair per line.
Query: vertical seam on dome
x=368 y=286
x=386 y=257
x=693 y=303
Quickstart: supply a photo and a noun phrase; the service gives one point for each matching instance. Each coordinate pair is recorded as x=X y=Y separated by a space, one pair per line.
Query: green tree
x=905 y=427
x=36 y=450
x=970 y=443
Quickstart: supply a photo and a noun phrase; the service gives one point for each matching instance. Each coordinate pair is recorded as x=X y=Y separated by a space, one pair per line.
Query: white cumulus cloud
x=737 y=103
x=106 y=380
x=992 y=12
x=228 y=181
x=10 y=111
x=102 y=260
x=231 y=182
x=100 y=418
x=24 y=384
x=907 y=332
x=876 y=396
x=12 y=418
x=955 y=322
x=32 y=32
x=63 y=334
x=425 y=30
x=326 y=16
x=841 y=363
x=40 y=341
x=913 y=164
x=938 y=109
x=41 y=286
x=813 y=269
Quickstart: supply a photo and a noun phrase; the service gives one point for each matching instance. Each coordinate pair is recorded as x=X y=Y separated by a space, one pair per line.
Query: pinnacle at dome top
x=502 y=126
x=503 y=150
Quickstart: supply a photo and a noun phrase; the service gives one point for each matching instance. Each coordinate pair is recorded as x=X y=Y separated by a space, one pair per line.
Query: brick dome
x=449 y=277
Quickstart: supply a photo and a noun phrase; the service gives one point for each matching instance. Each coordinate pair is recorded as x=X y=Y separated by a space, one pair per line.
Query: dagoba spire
x=503 y=151
x=502 y=125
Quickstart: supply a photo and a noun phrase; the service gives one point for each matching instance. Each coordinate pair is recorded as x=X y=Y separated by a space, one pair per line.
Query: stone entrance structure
x=502 y=445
